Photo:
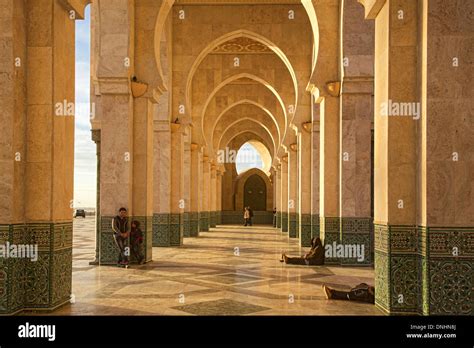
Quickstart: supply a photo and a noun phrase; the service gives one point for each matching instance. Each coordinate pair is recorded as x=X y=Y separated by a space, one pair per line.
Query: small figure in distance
x=246 y=216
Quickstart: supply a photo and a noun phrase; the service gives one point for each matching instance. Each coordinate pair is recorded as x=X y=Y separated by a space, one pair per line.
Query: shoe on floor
x=327 y=292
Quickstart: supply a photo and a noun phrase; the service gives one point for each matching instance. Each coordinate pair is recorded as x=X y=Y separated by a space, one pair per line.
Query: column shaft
x=293 y=191
x=304 y=195
x=196 y=174
x=177 y=185
x=213 y=196
x=315 y=163
x=278 y=196
x=329 y=173
x=205 y=196
x=284 y=194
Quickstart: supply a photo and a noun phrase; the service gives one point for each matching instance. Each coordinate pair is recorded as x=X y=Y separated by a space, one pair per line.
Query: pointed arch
x=232 y=35
x=237 y=77
x=246 y=102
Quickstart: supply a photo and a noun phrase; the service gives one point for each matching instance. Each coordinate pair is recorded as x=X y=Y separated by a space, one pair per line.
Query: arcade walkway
x=231 y=270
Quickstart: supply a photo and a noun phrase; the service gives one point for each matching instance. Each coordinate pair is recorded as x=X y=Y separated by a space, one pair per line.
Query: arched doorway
x=255 y=193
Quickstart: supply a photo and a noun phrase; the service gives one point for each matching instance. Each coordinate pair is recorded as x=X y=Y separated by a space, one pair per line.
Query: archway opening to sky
x=249 y=157
x=85 y=163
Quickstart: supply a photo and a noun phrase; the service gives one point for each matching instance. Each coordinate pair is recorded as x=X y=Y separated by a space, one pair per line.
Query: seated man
x=121 y=235
x=314 y=257
x=361 y=293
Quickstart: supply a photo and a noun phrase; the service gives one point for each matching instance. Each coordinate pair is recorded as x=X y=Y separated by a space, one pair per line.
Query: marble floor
x=231 y=270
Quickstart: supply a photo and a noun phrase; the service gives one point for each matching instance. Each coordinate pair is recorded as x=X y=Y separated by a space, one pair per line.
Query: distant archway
x=255 y=193
x=240 y=188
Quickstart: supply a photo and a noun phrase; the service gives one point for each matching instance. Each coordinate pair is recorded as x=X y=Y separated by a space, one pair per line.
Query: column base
x=417 y=270
x=397 y=289
x=219 y=217
x=330 y=234
x=167 y=230
x=44 y=284
x=357 y=232
x=212 y=219
x=305 y=229
x=315 y=226
x=204 y=221
x=447 y=270
x=193 y=224
x=186 y=225
x=284 y=222
x=293 y=225
x=278 y=219
x=176 y=229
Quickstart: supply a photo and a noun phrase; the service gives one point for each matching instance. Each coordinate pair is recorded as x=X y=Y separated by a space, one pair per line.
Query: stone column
x=220 y=174
x=356 y=115
x=115 y=117
x=284 y=194
x=315 y=163
x=397 y=281
x=96 y=140
x=304 y=178
x=187 y=184
x=278 y=195
x=177 y=185
x=142 y=191
x=355 y=169
x=36 y=153
x=162 y=182
x=293 y=191
x=205 y=196
x=196 y=172
x=329 y=173
x=212 y=198
x=13 y=145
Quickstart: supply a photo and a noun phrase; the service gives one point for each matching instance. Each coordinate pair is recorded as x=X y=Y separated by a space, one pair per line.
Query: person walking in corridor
x=246 y=216
x=121 y=234
x=250 y=215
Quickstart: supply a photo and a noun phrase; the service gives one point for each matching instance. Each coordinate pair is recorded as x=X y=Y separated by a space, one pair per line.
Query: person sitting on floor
x=314 y=257
x=361 y=293
x=136 y=239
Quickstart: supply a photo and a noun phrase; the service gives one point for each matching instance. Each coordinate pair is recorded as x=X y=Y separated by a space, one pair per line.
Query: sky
x=85 y=167
x=247 y=157
x=85 y=173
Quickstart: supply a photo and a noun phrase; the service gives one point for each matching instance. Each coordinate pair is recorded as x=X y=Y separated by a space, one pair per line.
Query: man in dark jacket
x=121 y=233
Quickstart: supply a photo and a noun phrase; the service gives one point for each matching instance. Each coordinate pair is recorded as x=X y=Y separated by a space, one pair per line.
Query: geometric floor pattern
x=230 y=270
